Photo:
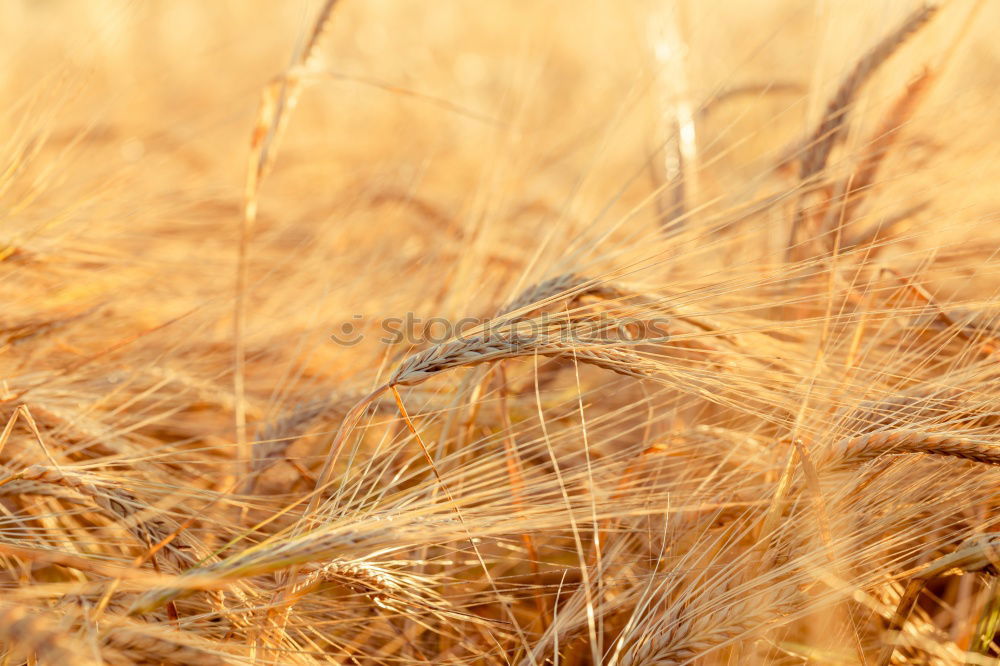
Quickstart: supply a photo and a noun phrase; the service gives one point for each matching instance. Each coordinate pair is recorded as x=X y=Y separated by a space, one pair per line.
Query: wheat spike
x=386 y=587
x=314 y=547
x=686 y=632
x=567 y=286
x=24 y=633
x=837 y=109
x=151 y=644
x=149 y=527
x=888 y=132
x=873 y=445
x=483 y=349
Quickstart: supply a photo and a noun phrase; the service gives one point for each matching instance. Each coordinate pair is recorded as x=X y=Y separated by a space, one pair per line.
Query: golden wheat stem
x=278 y=99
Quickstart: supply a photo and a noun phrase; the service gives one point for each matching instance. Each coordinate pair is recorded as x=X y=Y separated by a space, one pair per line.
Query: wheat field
x=605 y=332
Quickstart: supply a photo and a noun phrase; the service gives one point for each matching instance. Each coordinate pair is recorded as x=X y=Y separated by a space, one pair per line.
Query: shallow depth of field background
x=449 y=143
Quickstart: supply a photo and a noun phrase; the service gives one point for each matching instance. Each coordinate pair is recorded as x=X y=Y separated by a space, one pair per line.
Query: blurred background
x=470 y=147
